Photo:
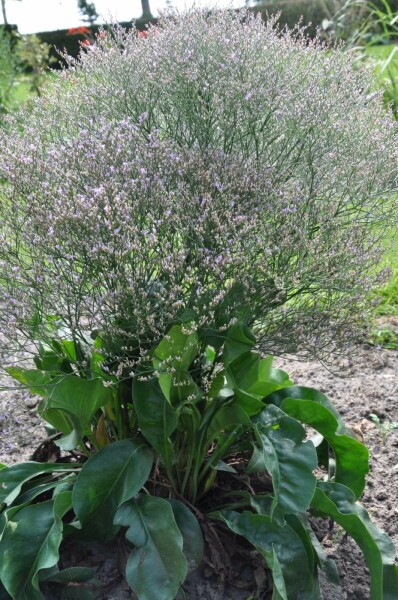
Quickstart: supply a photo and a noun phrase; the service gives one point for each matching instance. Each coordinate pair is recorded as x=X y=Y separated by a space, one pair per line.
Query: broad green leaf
x=12 y=478
x=244 y=371
x=29 y=544
x=279 y=587
x=239 y=340
x=177 y=349
x=262 y=504
x=289 y=461
x=281 y=548
x=34 y=379
x=59 y=420
x=36 y=491
x=156 y=567
x=156 y=417
x=187 y=523
x=326 y=563
x=69 y=349
x=179 y=388
x=110 y=477
x=315 y=409
x=227 y=416
x=252 y=379
x=216 y=385
x=51 y=361
x=296 y=524
x=79 y=399
x=338 y=502
x=250 y=403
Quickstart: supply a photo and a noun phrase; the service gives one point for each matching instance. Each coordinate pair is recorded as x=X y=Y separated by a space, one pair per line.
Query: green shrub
x=35 y=58
x=311 y=13
x=369 y=22
x=10 y=67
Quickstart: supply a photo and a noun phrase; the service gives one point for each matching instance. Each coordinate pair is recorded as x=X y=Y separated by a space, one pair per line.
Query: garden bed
x=366 y=384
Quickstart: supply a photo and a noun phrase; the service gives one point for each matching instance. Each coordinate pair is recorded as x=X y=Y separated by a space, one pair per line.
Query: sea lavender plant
x=215 y=170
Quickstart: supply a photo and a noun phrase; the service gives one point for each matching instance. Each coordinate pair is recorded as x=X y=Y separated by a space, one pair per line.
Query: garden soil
x=365 y=384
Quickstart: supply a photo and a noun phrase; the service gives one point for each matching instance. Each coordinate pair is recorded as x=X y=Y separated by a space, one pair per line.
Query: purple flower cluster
x=245 y=178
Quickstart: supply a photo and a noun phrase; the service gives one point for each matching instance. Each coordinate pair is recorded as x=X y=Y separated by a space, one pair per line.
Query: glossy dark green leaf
x=239 y=340
x=289 y=460
x=281 y=548
x=156 y=417
x=37 y=490
x=156 y=567
x=244 y=371
x=324 y=561
x=59 y=420
x=298 y=526
x=78 y=399
x=315 y=409
x=252 y=378
x=187 y=523
x=110 y=477
x=51 y=361
x=12 y=478
x=250 y=403
x=279 y=587
x=29 y=543
x=338 y=502
x=177 y=349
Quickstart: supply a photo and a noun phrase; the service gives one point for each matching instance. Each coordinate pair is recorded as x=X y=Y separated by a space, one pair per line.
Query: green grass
x=385 y=61
x=382 y=53
x=22 y=90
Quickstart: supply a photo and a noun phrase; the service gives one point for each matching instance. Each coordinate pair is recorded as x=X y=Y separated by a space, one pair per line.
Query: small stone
x=32 y=402
x=381 y=496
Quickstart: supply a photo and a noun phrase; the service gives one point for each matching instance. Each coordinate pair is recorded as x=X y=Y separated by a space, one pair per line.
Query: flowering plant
x=189 y=173
x=165 y=196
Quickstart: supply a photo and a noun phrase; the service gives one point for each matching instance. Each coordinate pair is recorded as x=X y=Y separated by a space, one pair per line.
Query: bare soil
x=366 y=384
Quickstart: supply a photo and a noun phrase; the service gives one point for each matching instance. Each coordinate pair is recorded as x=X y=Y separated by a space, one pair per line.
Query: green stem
x=220 y=451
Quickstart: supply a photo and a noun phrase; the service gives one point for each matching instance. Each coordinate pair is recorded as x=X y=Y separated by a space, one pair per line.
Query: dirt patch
x=364 y=385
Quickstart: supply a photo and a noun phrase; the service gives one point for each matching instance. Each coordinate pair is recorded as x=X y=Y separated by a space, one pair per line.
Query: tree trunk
x=3 y=8
x=146 y=10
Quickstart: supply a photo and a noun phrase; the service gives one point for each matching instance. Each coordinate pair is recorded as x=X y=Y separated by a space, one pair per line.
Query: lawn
x=385 y=58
